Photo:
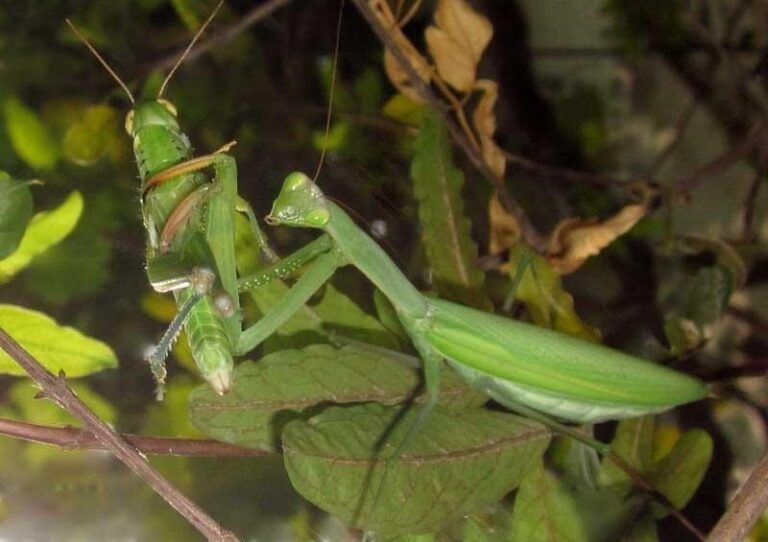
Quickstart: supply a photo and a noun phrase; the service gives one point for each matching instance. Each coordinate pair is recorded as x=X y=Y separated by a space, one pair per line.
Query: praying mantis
x=536 y=372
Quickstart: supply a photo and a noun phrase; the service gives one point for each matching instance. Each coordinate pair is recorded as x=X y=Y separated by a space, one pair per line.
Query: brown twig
x=529 y=232
x=224 y=36
x=680 y=128
x=748 y=232
x=559 y=173
x=685 y=185
x=745 y=509
x=56 y=389
x=72 y=438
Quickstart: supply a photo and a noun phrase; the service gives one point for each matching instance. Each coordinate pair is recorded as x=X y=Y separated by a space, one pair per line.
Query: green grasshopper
x=190 y=222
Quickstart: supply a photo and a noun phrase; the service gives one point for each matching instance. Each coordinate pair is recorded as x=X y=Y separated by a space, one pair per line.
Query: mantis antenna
x=101 y=60
x=188 y=49
x=330 y=93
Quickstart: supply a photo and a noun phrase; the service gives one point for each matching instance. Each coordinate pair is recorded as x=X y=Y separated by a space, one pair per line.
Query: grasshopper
x=190 y=221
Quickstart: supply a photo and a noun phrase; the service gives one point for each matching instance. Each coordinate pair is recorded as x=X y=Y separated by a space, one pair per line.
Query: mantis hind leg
x=432 y=370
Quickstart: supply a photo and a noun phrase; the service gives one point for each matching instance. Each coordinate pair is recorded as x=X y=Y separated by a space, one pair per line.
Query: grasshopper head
x=300 y=203
x=158 y=141
x=158 y=112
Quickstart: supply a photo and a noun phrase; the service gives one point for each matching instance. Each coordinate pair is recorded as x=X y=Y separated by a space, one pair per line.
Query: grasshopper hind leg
x=201 y=281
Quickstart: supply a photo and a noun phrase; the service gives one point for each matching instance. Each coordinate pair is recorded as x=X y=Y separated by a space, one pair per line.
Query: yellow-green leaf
x=97 y=133
x=549 y=304
x=45 y=230
x=29 y=136
x=56 y=347
x=15 y=212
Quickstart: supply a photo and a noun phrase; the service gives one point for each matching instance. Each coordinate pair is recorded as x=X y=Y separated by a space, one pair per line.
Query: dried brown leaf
x=457 y=41
x=395 y=71
x=504 y=227
x=484 y=119
x=574 y=240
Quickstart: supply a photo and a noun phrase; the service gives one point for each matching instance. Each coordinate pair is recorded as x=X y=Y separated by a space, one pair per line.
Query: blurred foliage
x=686 y=286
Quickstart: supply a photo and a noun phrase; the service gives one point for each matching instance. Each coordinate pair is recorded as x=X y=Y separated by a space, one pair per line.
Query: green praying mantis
x=189 y=218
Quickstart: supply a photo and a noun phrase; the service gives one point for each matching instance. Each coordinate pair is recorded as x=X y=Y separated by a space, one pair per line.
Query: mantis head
x=300 y=204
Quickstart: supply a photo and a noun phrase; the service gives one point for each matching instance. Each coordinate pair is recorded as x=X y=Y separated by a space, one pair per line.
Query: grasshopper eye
x=129 y=123
x=168 y=105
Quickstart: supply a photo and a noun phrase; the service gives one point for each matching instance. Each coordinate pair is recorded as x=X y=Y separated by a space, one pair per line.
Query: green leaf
x=97 y=133
x=679 y=473
x=57 y=348
x=634 y=444
x=549 y=304
x=460 y=461
x=81 y=264
x=289 y=384
x=546 y=510
x=401 y=108
x=29 y=136
x=445 y=229
x=643 y=530
x=45 y=230
x=15 y=212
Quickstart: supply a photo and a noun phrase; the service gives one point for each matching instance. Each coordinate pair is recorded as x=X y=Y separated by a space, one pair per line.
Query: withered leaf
x=504 y=227
x=484 y=120
x=574 y=240
x=457 y=41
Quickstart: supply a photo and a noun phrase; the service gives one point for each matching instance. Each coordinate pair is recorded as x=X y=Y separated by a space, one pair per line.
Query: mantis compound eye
x=129 y=123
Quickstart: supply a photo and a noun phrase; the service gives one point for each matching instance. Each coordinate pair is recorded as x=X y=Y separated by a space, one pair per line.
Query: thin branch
x=558 y=173
x=685 y=185
x=56 y=389
x=748 y=232
x=72 y=438
x=680 y=128
x=745 y=509
x=262 y=11
x=531 y=235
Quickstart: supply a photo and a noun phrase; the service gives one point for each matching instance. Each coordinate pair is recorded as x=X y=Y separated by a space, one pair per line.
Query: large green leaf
x=293 y=383
x=445 y=229
x=45 y=230
x=460 y=461
x=15 y=212
x=29 y=136
x=56 y=347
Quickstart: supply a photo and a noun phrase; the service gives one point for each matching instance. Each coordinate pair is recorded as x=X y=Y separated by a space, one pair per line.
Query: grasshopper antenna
x=188 y=49
x=101 y=60
x=330 y=93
